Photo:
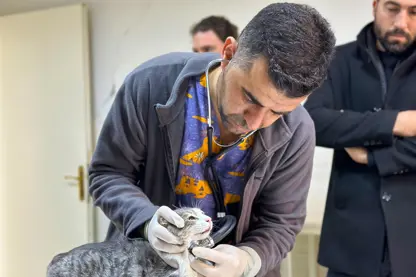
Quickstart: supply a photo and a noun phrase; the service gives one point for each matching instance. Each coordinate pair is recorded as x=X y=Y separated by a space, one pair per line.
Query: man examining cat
x=153 y=151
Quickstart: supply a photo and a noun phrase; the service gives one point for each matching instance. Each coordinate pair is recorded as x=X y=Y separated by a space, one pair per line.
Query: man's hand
x=405 y=125
x=160 y=238
x=358 y=154
x=230 y=261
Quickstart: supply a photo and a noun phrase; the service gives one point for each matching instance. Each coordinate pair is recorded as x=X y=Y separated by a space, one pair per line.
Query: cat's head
x=198 y=226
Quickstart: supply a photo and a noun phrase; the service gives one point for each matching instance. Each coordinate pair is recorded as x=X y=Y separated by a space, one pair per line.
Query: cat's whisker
x=196 y=203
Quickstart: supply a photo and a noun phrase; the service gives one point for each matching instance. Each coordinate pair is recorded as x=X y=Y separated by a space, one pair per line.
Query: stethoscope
x=215 y=184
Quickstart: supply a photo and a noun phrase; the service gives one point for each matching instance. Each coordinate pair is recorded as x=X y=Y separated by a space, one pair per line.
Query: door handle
x=80 y=182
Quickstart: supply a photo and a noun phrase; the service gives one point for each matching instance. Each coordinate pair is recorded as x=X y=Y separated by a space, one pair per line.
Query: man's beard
x=393 y=47
x=230 y=119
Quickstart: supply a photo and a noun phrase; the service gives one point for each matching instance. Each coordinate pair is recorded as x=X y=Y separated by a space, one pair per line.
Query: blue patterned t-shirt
x=192 y=189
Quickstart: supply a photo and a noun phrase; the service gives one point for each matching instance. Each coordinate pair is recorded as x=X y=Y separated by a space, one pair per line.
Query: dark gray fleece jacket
x=133 y=169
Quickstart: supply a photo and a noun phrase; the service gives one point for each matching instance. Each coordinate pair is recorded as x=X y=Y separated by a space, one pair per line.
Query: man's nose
x=255 y=118
x=401 y=19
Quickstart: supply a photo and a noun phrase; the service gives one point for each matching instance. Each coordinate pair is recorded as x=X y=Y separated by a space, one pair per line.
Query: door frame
x=90 y=135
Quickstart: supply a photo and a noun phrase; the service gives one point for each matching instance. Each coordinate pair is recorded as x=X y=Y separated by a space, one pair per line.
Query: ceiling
x=17 y=6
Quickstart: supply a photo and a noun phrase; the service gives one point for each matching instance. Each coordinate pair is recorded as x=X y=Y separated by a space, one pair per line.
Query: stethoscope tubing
x=216 y=188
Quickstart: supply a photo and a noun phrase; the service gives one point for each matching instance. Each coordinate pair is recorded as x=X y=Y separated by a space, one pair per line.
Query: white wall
x=126 y=33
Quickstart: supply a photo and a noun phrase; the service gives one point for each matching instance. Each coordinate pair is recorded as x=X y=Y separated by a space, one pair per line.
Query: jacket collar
x=367 y=42
x=274 y=136
x=194 y=66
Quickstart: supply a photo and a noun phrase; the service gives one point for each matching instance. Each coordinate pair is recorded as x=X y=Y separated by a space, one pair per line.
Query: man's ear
x=375 y=3
x=228 y=50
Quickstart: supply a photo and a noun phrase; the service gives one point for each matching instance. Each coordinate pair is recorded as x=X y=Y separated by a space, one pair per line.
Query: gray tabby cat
x=135 y=258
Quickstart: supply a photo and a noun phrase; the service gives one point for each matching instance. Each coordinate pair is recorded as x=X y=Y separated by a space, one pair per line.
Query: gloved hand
x=160 y=238
x=230 y=261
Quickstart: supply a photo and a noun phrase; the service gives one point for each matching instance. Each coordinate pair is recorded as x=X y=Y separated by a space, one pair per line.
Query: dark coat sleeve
x=400 y=158
x=338 y=127
x=119 y=157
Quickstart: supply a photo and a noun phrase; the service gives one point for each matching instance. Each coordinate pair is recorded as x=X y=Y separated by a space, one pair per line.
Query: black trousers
x=337 y=274
x=332 y=273
x=385 y=270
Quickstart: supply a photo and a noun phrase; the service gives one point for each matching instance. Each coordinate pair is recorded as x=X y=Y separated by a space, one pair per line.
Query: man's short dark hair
x=221 y=26
x=296 y=41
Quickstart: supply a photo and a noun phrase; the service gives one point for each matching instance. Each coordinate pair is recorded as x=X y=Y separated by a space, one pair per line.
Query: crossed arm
x=384 y=139
x=400 y=158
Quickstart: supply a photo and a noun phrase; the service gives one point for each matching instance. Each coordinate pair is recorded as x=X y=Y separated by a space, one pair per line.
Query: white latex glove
x=230 y=261
x=160 y=238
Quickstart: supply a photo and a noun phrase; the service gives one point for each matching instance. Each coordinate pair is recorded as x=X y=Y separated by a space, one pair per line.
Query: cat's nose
x=208 y=219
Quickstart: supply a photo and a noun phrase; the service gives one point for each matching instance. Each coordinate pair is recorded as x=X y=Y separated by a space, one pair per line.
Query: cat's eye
x=192 y=217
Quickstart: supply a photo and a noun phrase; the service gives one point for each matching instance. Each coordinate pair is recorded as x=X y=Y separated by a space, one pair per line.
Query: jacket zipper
x=168 y=157
x=381 y=73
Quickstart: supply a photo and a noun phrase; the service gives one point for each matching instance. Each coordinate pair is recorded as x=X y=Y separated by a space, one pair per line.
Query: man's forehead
x=258 y=71
x=256 y=81
x=208 y=36
x=403 y=3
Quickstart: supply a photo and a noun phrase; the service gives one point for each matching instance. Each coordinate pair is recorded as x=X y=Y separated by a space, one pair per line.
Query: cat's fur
x=135 y=258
